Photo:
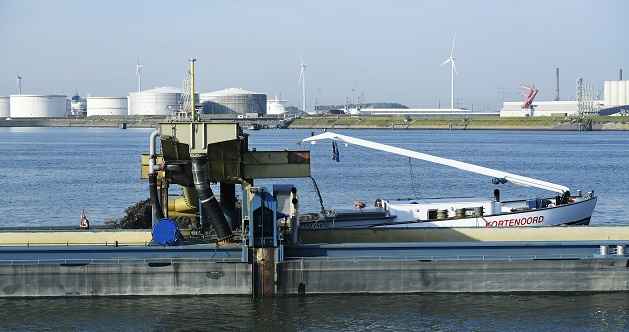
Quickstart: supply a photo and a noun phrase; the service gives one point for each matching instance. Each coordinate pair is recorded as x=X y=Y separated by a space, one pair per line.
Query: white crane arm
x=517 y=179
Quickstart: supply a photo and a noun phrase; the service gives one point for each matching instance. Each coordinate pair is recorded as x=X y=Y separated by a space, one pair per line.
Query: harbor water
x=48 y=175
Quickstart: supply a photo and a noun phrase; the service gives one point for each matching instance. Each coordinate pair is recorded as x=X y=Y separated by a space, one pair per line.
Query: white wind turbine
x=19 y=83
x=138 y=73
x=302 y=81
x=451 y=59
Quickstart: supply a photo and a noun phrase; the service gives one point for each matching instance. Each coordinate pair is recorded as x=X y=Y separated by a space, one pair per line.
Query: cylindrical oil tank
x=5 y=107
x=622 y=92
x=614 y=93
x=107 y=106
x=233 y=101
x=38 y=106
x=158 y=101
x=607 y=93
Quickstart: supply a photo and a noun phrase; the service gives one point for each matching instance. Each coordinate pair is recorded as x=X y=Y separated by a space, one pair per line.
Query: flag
x=335 y=151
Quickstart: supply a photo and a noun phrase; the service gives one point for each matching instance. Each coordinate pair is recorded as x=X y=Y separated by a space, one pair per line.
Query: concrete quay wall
x=318 y=276
x=469 y=276
x=125 y=279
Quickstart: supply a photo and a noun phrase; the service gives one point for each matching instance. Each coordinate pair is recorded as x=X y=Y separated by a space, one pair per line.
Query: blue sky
x=390 y=51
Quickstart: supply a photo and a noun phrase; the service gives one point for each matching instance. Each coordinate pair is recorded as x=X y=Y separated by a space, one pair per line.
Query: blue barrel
x=166 y=232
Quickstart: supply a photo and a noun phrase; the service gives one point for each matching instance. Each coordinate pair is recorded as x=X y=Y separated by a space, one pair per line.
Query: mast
x=192 y=60
x=498 y=176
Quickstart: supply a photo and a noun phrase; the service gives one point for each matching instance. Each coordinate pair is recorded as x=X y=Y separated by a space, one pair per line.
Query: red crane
x=529 y=96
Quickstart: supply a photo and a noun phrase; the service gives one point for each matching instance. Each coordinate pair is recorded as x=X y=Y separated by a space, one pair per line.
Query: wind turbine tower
x=19 y=83
x=302 y=80
x=138 y=74
x=451 y=59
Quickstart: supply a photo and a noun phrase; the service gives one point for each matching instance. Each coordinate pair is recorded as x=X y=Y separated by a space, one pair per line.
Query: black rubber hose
x=208 y=200
x=155 y=203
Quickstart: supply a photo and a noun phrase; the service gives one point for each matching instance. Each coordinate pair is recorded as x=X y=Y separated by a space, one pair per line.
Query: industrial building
x=615 y=100
x=107 y=106
x=233 y=101
x=158 y=101
x=5 y=107
x=38 y=106
x=419 y=112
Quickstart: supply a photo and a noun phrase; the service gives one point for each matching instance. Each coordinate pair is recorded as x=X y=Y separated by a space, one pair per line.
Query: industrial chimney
x=557 y=86
x=620 y=77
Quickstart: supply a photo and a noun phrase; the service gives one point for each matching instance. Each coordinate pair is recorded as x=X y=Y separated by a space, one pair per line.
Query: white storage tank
x=158 y=101
x=607 y=93
x=233 y=101
x=5 y=107
x=614 y=93
x=38 y=106
x=107 y=106
x=622 y=92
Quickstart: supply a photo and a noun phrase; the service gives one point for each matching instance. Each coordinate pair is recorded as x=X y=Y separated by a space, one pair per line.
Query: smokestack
x=557 y=85
x=620 y=77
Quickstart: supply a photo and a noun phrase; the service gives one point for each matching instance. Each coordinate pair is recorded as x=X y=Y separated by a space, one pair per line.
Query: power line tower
x=186 y=97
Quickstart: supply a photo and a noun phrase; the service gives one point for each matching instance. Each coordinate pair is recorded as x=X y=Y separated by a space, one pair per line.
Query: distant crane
x=354 y=89
x=318 y=95
x=529 y=96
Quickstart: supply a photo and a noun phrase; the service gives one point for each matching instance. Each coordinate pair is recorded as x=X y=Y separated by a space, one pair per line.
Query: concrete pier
x=595 y=265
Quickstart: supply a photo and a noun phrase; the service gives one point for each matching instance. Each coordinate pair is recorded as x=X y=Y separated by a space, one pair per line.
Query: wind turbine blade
x=445 y=62
x=454 y=67
x=301 y=74
x=453 y=39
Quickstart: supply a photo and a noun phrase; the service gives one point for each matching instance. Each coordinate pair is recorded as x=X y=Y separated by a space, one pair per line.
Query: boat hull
x=577 y=213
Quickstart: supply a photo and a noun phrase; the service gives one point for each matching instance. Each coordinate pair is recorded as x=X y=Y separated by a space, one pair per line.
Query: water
x=460 y=312
x=48 y=175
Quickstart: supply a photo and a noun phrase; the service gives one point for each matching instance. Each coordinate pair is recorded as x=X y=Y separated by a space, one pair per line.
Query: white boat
x=78 y=105
x=561 y=209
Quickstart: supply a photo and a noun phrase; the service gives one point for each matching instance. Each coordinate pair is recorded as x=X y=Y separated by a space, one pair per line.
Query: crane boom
x=497 y=175
x=529 y=96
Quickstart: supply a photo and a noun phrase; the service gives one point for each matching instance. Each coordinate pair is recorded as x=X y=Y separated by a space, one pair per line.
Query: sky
x=380 y=51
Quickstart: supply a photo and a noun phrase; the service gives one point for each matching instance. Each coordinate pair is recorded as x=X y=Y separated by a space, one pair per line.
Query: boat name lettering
x=515 y=222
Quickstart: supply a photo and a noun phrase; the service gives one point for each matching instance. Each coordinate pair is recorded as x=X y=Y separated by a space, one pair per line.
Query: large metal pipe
x=228 y=204
x=294 y=216
x=155 y=203
x=208 y=200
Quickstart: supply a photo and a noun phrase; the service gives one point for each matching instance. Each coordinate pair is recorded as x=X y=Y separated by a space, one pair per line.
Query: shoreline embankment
x=596 y=123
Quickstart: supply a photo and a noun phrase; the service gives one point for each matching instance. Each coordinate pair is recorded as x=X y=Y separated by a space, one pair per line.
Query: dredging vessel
x=247 y=249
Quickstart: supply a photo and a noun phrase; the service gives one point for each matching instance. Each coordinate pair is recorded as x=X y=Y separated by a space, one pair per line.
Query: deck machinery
x=196 y=154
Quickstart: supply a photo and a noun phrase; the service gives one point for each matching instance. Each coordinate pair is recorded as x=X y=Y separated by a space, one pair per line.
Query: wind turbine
x=19 y=83
x=138 y=74
x=302 y=81
x=451 y=59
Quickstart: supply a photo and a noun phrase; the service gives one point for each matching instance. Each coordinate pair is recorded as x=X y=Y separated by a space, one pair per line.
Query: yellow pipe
x=186 y=205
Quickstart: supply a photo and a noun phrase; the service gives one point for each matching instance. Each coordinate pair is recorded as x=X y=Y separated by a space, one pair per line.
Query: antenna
x=302 y=81
x=138 y=74
x=451 y=59
x=19 y=83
